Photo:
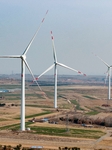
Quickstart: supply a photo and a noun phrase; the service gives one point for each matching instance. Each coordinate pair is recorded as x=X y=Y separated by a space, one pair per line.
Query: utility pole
x=67 y=129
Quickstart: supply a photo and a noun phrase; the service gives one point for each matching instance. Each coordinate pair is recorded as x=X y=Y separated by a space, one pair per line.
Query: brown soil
x=78 y=93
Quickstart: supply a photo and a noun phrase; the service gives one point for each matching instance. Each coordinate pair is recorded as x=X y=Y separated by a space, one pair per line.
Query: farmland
x=87 y=102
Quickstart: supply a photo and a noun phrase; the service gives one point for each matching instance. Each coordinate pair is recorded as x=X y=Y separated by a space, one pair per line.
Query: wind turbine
x=55 y=71
x=109 y=76
x=23 y=63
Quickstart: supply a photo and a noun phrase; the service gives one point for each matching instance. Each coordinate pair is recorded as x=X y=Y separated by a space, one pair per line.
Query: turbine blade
x=102 y=60
x=60 y=64
x=54 y=51
x=45 y=71
x=31 y=73
x=27 y=48
x=10 y=56
x=28 y=68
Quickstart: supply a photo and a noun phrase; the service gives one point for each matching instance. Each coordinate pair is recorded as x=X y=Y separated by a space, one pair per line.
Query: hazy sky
x=80 y=27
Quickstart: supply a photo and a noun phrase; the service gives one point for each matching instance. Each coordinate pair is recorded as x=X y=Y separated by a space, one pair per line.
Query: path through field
x=54 y=142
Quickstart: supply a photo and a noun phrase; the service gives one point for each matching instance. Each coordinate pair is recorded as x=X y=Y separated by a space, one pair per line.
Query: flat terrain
x=84 y=100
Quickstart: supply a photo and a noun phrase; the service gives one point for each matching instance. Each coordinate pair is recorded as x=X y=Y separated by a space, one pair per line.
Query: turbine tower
x=55 y=71
x=23 y=63
x=109 y=76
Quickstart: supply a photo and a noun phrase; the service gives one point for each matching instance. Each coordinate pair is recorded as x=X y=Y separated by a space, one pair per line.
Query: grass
x=13 y=126
x=9 y=86
x=40 y=114
x=36 y=115
x=77 y=105
x=80 y=133
x=14 y=96
x=92 y=112
x=89 y=97
x=54 y=131
x=40 y=106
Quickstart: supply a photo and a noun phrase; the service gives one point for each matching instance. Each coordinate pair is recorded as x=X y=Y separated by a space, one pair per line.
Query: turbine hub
x=23 y=57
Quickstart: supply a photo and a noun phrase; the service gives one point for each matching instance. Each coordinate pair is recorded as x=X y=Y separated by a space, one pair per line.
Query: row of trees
x=107 y=121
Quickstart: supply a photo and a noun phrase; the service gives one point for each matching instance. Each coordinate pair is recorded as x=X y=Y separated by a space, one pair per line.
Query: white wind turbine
x=109 y=76
x=55 y=71
x=23 y=63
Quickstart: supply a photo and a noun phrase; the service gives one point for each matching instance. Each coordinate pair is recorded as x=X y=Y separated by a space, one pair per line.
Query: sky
x=80 y=28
